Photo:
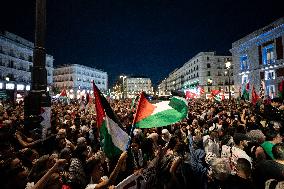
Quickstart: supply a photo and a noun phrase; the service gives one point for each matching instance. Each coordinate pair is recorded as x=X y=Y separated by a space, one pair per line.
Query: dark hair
x=172 y=142
x=91 y=165
x=270 y=134
x=278 y=151
x=244 y=165
x=79 y=153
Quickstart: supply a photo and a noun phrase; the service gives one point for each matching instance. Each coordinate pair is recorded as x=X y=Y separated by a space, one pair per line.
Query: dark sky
x=142 y=37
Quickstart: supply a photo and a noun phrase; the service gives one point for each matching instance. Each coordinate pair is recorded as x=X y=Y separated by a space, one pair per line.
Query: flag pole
x=133 y=123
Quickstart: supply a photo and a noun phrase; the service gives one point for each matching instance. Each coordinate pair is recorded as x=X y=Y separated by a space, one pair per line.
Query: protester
x=227 y=144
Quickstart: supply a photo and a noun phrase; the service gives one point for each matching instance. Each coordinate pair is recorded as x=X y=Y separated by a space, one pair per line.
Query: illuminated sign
x=10 y=86
x=20 y=87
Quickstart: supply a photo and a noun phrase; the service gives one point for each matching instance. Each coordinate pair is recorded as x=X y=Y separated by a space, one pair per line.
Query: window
x=208 y=65
x=269 y=75
x=207 y=58
x=270 y=89
x=208 y=73
x=30 y=59
x=244 y=79
x=268 y=54
x=11 y=64
x=244 y=62
x=197 y=67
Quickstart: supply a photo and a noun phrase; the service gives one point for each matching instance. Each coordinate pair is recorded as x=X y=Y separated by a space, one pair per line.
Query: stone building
x=259 y=57
x=78 y=78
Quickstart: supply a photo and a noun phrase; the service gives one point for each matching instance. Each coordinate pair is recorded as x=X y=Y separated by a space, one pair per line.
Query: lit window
x=270 y=74
x=1 y=85
x=20 y=87
x=10 y=86
x=268 y=54
x=244 y=79
x=244 y=62
x=270 y=89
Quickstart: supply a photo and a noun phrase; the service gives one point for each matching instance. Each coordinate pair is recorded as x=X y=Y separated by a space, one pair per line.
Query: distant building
x=259 y=56
x=75 y=78
x=206 y=69
x=130 y=87
x=16 y=56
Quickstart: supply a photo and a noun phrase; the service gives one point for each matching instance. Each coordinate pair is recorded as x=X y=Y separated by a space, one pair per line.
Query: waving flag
x=216 y=94
x=190 y=95
x=63 y=93
x=254 y=96
x=114 y=139
x=159 y=114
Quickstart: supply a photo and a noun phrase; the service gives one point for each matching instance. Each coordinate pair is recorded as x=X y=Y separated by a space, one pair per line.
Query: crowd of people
x=220 y=145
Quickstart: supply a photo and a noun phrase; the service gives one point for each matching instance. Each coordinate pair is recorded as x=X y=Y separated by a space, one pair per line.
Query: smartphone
x=236 y=117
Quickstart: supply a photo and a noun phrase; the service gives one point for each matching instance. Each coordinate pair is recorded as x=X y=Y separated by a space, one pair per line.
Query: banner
x=46 y=122
x=144 y=180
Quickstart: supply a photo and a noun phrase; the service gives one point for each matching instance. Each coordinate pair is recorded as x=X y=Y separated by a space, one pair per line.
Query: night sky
x=141 y=37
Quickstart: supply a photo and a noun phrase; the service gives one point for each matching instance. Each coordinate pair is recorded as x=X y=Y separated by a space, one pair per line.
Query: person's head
x=243 y=168
x=81 y=141
x=220 y=169
x=278 y=151
x=274 y=136
x=61 y=134
x=241 y=140
x=165 y=134
x=94 y=169
x=256 y=136
x=81 y=152
x=65 y=154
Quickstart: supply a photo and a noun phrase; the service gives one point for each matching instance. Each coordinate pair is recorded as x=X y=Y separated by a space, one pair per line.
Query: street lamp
x=123 y=90
x=228 y=67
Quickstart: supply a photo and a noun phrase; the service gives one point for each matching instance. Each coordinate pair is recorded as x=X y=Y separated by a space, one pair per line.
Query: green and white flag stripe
x=162 y=114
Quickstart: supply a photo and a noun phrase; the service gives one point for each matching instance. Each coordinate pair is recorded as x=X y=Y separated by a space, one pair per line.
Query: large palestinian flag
x=114 y=140
x=159 y=114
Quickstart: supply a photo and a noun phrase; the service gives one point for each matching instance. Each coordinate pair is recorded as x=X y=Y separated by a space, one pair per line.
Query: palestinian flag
x=160 y=114
x=114 y=140
x=216 y=94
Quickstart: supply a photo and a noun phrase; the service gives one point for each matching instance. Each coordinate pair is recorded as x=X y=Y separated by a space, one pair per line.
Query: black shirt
x=236 y=182
x=266 y=170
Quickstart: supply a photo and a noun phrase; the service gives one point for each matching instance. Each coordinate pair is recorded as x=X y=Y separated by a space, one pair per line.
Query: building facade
x=206 y=69
x=16 y=56
x=75 y=78
x=259 y=57
x=135 y=85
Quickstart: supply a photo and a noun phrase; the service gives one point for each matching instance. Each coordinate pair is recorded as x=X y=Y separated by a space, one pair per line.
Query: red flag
x=254 y=96
x=215 y=92
x=247 y=86
x=189 y=95
x=63 y=92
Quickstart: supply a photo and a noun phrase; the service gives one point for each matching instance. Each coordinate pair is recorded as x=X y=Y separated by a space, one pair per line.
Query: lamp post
x=228 y=67
x=123 y=86
x=38 y=99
